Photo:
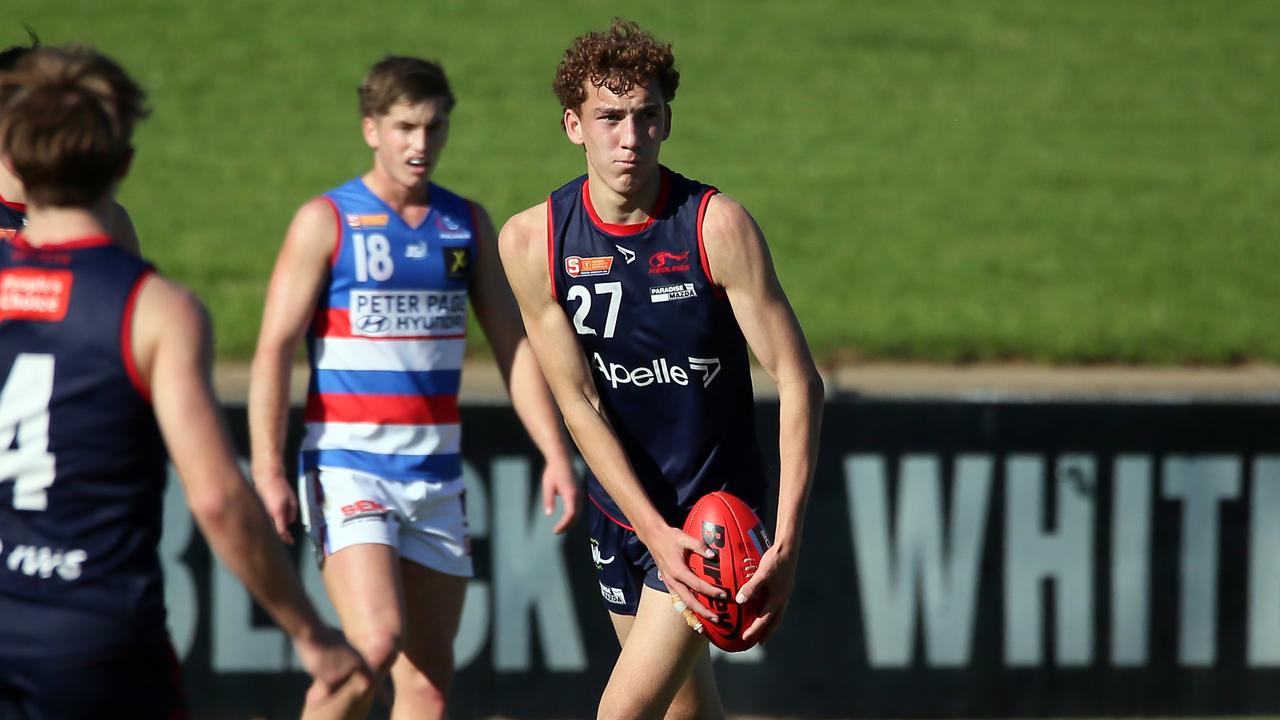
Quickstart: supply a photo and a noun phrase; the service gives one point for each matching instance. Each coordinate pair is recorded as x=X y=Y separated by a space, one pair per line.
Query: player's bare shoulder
x=732 y=240
x=311 y=240
x=523 y=245
x=316 y=222
x=170 y=306
x=524 y=229
x=167 y=315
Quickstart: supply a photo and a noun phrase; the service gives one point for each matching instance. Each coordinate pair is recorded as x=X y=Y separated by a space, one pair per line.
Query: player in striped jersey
x=641 y=290
x=377 y=274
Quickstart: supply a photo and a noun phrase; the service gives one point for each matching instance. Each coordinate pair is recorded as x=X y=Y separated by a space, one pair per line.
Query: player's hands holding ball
x=670 y=547
x=772 y=583
x=739 y=545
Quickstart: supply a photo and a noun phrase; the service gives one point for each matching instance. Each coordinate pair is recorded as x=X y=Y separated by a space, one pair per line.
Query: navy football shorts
x=623 y=563
x=142 y=683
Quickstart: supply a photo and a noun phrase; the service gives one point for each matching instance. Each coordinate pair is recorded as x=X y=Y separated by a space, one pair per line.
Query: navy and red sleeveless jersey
x=13 y=216
x=82 y=466
x=666 y=354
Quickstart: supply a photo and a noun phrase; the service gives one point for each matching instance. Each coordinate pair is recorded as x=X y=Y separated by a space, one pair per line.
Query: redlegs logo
x=665 y=261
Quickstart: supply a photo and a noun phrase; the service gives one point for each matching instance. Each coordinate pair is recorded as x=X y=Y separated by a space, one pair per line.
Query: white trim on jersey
x=384 y=439
x=398 y=355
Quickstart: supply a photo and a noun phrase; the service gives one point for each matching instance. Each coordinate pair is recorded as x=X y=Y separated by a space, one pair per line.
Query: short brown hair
x=620 y=59
x=396 y=79
x=66 y=122
x=12 y=54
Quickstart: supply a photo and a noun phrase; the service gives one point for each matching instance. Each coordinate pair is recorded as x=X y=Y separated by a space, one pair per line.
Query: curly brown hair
x=620 y=59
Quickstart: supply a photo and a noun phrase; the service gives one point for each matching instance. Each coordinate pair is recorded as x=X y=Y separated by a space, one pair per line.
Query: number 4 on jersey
x=24 y=430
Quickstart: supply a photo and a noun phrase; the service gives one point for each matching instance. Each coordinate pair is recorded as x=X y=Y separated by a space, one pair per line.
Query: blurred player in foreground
x=104 y=364
x=377 y=274
x=641 y=290
x=13 y=197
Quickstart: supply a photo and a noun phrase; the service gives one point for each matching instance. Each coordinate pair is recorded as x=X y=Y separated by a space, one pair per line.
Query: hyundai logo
x=373 y=324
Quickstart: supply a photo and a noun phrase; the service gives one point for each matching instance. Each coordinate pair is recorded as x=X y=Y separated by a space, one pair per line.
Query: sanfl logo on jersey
x=358 y=221
x=416 y=250
x=588 y=266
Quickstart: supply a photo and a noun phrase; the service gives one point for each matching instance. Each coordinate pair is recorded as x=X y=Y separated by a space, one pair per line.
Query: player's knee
x=427 y=681
x=693 y=708
x=611 y=709
x=379 y=646
x=616 y=706
x=357 y=686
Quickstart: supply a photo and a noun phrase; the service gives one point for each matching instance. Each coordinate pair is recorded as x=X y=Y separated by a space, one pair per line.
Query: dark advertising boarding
x=960 y=559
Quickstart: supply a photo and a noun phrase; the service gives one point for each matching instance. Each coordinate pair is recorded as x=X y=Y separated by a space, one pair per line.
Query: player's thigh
x=657 y=658
x=352 y=518
x=435 y=565
x=433 y=610
x=622 y=625
x=363 y=582
x=698 y=696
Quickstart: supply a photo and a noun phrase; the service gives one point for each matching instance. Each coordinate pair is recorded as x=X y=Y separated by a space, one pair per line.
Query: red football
x=737 y=536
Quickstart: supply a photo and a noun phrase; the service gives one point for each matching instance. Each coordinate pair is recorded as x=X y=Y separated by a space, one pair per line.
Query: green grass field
x=1052 y=181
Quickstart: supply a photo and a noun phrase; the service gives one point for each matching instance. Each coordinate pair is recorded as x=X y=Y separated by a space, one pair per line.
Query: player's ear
x=369 y=128
x=572 y=126
x=666 y=133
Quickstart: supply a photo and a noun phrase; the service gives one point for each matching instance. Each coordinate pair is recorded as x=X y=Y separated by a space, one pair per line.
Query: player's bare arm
x=299 y=273
x=523 y=248
x=496 y=310
x=173 y=351
x=740 y=263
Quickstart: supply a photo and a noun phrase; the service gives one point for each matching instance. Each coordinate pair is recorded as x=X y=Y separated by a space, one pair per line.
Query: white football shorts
x=424 y=521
